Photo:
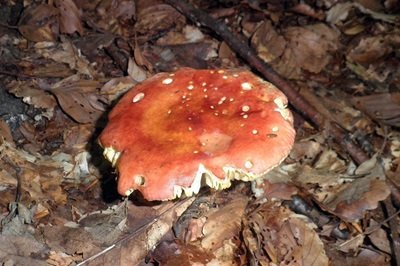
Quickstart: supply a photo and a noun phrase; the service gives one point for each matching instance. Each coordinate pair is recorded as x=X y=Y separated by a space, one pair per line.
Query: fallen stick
x=240 y=46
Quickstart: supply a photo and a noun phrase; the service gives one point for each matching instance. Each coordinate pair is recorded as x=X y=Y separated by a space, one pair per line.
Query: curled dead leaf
x=40 y=23
x=306 y=48
x=155 y=16
x=351 y=200
x=276 y=236
x=383 y=107
x=70 y=17
x=78 y=98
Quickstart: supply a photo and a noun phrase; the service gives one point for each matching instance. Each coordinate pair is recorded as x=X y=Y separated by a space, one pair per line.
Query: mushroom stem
x=239 y=45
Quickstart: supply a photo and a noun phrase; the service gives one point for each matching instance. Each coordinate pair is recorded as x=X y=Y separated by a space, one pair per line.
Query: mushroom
x=176 y=132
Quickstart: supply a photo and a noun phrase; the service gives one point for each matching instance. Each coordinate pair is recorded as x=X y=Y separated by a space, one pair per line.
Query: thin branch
x=238 y=44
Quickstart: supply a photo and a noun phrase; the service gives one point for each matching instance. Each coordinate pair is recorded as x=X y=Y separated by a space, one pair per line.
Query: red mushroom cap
x=174 y=132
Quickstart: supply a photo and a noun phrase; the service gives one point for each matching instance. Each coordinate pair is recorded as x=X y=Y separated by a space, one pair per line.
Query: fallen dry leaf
x=69 y=55
x=70 y=17
x=276 y=236
x=269 y=44
x=372 y=49
x=33 y=95
x=20 y=250
x=306 y=48
x=39 y=175
x=383 y=107
x=5 y=133
x=177 y=253
x=352 y=199
x=78 y=98
x=39 y=23
x=116 y=87
x=223 y=224
x=154 y=16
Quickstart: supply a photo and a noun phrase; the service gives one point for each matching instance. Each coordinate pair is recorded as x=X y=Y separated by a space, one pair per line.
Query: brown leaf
x=66 y=52
x=302 y=48
x=383 y=107
x=70 y=17
x=32 y=95
x=77 y=98
x=5 y=133
x=133 y=249
x=275 y=235
x=136 y=72
x=223 y=224
x=40 y=176
x=268 y=43
x=177 y=253
x=154 y=16
x=370 y=49
x=39 y=23
x=115 y=87
x=351 y=200
x=20 y=250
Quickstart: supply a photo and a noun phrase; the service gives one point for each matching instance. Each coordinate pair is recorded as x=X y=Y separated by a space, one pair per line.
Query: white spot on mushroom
x=225 y=77
x=172 y=74
x=241 y=125
x=138 y=97
x=212 y=71
x=205 y=90
x=222 y=100
x=190 y=87
x=246 y=86
x=184 y=96
x=221 y=71
x=206 y=96
x=139 y=180
x=203 y=84
x=169 y=111
x=248 y=164
x=195 y=152
x=129 y=191
x=245 y=116
x=190 y=128
x=275 y=129
x=189 y=118
x=231 y=99
x=254 y=132
x=245 y=108
x=282 y=108
x=167 y=81
x=212 y=107
x=216 y=113
x=215 y=88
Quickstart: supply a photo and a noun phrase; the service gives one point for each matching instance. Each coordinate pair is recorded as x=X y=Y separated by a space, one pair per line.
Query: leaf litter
x=66 y=63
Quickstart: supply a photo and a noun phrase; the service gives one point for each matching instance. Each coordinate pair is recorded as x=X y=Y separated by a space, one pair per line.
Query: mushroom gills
x=202 y=175
x=111 y=155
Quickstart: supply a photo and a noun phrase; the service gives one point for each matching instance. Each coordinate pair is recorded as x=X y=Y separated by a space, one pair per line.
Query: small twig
x=18 y=170
x=374 y=228
x=14 y=74
x=240 y=46
x=8 y=26
x=394 y=233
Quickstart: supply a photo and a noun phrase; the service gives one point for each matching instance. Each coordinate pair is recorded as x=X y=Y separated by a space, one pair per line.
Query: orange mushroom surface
x=176 y=132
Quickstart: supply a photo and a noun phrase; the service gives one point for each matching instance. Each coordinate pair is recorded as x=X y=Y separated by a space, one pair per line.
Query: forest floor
x=335 y=200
